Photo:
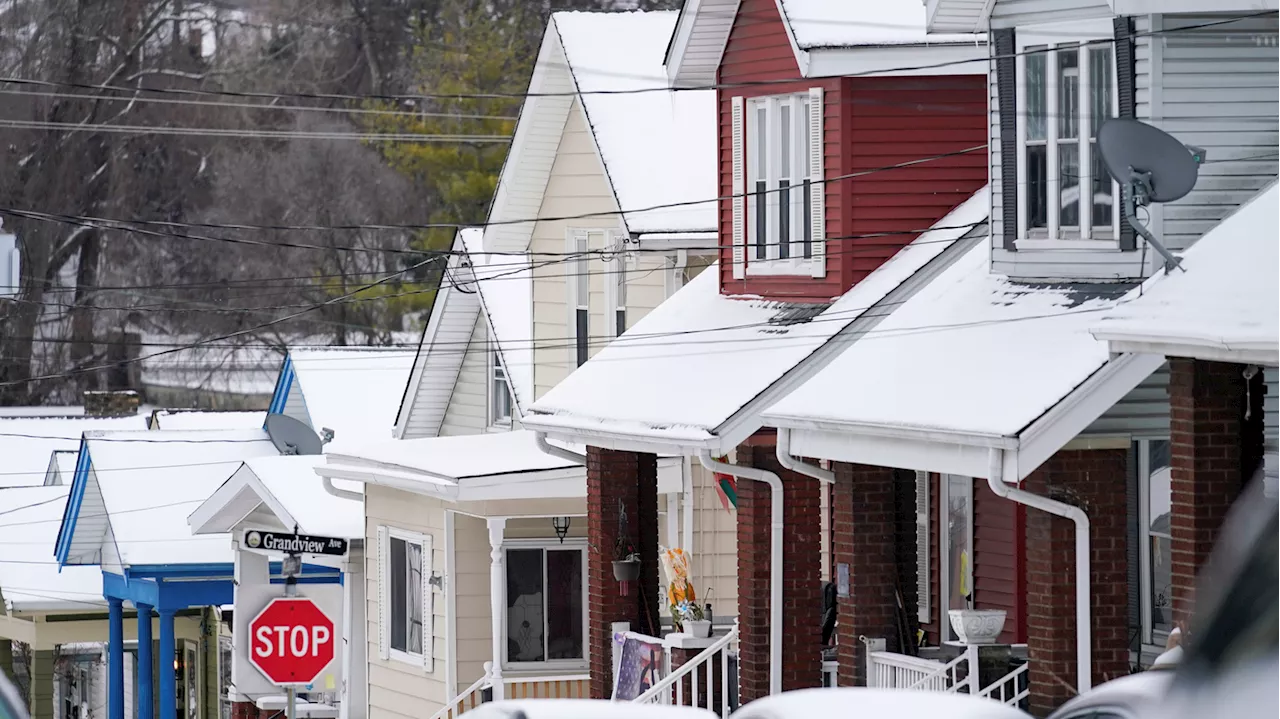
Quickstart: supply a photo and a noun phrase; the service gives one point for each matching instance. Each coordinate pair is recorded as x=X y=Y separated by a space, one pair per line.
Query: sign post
x=291 y=640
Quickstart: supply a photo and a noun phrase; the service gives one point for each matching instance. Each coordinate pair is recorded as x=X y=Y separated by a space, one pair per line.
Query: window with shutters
x=1066 y=90
x=404 y=595
x=923 y=589
x=546 y=604
x=778 y=174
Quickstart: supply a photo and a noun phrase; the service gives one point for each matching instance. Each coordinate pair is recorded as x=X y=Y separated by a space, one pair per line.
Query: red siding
x=997 y=559
x=870 y=123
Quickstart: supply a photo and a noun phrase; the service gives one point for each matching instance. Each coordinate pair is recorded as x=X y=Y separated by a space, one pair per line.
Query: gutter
x=797 y=465
x=540 y=439
x=1084 y=652
x=340 y=493
x=775 y=556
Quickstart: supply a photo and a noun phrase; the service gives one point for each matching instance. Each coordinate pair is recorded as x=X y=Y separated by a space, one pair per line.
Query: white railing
x=470 y=698
x=830 y=674
x=671 y=689
x=900 y=671
x=1006 y=689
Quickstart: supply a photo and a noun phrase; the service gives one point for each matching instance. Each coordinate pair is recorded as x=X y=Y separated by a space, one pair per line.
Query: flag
x=727 y=489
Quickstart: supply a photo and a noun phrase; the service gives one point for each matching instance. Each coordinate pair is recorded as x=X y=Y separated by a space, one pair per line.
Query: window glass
x=501 y=391
x=1068 y=117
x=1102 y=88
x=526 y=617
x=959 y=553
x=564 y=604
x=1037 y=131
x=544 y=605
x=1159 y=507
x=406 y=596
x=762 y=182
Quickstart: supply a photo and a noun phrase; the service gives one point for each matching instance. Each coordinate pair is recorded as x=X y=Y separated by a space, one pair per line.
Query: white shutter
x=384 y=609
x=739 y=169
x=818 y=187
x=428 y=604
x=923 y=608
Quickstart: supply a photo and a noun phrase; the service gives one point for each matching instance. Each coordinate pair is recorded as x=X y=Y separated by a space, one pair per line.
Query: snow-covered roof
x=149 y=482
x=453 y=458
x=290 y=490
x=695 y=362
x=206 y=419
x=972 y=353
x=215 y=368
x=854 y=23
x=27 y=444
x=659 y=148
x=505 y=282
x=1224 y=305
x=64 y=463
x=29 y=577
x=355 y=391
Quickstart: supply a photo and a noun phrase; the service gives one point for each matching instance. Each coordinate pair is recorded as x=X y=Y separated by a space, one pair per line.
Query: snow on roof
x=698 y=358
x=65 y=460
x=850 y=23
x=972 y=352
x=42 y=411
x=217 y=368
x=207 y=419
x=355 y=391
x=292 y=481
x=27 y=444
x=456 y=458
x=658 y=148
x=149 y=487
x=29 y=576
x=506 y=295
x=1226 y=298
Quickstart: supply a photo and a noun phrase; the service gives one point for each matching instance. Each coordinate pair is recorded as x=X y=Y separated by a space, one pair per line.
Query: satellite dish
x=1152 y=166
x=291 y=436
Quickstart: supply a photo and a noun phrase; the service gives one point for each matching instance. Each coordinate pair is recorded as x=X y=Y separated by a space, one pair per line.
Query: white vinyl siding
x=1020 y=13
x=436 y=373
x=715 y=545
x=467 y=411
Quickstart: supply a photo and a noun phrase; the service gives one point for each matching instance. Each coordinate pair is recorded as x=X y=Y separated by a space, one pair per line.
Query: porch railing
x=708 y=691
x=469 y=698
x=830 y=674
x=1011 y=688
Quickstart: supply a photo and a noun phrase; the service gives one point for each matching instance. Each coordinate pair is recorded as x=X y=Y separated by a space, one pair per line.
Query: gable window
x=778 y=191
x=499 y=392
x=545 y=604
x=581 y=243
x=404 y=596
x=616 y=283
x=1155 y=502
x=1067 y=89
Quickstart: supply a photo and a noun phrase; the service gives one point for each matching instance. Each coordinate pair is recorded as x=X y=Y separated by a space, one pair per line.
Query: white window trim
x=425 y=658
x=1150 y=635
x=944 y=553
x=1050 y=239
x=804 y=168
x=617 y=263
x=576 y=543
x=496 y=364
x=575 y=239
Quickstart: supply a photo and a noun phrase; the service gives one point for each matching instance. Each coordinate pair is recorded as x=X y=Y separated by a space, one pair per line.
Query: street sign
x=291 y=641
x=294 y=543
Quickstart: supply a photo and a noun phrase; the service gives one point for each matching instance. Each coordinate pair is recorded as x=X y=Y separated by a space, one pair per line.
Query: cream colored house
x=475 y=529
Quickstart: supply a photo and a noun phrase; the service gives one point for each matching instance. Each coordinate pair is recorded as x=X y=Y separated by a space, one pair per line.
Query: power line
x=251 y=134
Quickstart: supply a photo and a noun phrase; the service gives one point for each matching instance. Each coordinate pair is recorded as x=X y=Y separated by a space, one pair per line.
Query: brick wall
x=865 y=500
x=801 y=578
x=244 y=710
x=1215 y=452
x=629 y=479
x=1093 y=480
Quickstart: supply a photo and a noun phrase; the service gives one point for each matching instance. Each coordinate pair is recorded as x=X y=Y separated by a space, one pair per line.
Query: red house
x=845 y=134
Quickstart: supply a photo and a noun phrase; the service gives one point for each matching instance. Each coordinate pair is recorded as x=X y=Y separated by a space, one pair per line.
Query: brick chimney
x=110 y=403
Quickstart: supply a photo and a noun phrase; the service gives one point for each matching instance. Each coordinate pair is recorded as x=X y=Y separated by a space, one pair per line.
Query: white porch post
x=497 y=598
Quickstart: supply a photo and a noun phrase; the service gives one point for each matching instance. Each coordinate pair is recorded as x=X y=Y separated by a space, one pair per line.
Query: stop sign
x=291 y=641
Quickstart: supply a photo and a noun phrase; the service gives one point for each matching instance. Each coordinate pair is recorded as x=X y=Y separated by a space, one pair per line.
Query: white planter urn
x=700 y=628
x=977 y=626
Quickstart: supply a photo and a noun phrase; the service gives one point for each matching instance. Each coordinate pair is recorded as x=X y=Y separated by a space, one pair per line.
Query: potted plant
x=693 y=619
x=626 y=561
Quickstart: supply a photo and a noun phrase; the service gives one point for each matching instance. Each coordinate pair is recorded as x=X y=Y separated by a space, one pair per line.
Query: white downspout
x=775 y=556
x=540 y=439
x=340 y=493
x=1084 y=652
x=795 y=464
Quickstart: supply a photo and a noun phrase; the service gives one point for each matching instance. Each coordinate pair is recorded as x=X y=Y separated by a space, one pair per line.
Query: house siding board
x=1016 y=13
x=440 y=368
x=1142 y=413
x=471 y=598
x=295 y=404
x=715 y=546
x=400 y=689
x=758 y=47
x=1217 y=90
x=1271 y=407
x=996 y=562
x=468 y=410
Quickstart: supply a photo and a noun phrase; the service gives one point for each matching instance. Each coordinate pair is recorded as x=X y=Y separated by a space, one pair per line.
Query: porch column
x=115 y=658
x=497 y=599
x=168 y=676
x=145 y=701
x=1093 y=480
x=801 y=577
x=1216 y=431
x=865 y=571
x=42 y=680
x=619 y=483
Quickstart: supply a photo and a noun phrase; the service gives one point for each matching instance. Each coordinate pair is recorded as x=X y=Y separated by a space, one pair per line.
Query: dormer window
x=499 y=392
x=1067 y=89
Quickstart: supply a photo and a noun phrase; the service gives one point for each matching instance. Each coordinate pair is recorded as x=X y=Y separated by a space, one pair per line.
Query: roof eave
x=652 y=441
x=1258 y=352
x=898 y=60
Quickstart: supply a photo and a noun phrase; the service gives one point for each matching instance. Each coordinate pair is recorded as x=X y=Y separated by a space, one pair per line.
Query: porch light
x=561 y=525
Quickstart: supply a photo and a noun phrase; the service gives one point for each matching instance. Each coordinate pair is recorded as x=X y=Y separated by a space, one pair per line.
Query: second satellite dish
x=291 y=436
x=1129 y=147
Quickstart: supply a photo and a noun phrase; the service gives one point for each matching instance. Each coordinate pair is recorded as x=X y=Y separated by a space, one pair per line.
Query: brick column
x=1093 y=480
x=863 y=499
x=629 y=479
x=1215 y=452
x=801 y=577
x=244 y=710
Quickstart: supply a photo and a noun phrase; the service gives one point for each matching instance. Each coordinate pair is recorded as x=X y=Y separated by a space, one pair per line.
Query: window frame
x=1053 y=39
x=389 y=535
x=582 y=241
x=799 y=175
x=617 y=263
x=1150 y=636
x=498 y=376
x=578 y=544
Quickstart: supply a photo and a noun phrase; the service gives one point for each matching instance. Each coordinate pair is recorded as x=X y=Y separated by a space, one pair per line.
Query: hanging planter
x=626 y=570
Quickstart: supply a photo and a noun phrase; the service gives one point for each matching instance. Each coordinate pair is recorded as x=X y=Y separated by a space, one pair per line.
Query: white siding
x=400 y=689
x=1143 y=413
x=715 y=545
x=954 y=15
x=467 y=411
x=1271 y=407
x=994 y=155
x=439 y=362
x=295 y=405
x=1014 y=13
x=471 y=598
